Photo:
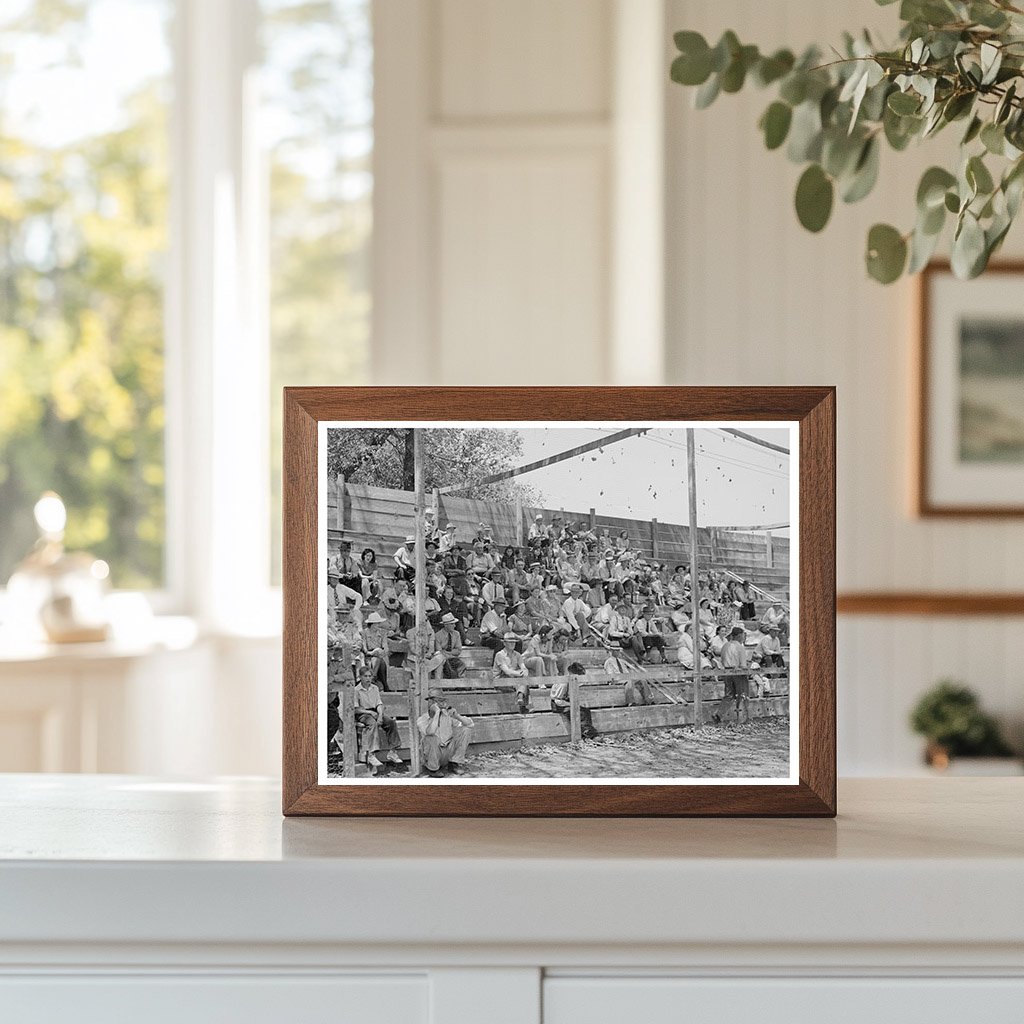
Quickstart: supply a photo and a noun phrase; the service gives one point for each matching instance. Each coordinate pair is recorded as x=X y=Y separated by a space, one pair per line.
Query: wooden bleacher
x=499 y=725
x=381 y=518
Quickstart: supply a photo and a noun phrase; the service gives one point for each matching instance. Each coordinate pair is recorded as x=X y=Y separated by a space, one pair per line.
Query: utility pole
x=417 y=684
x=691 y=481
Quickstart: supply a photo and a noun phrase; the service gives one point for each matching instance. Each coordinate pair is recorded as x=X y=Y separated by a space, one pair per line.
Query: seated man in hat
x=648 y=636
x=775 y=615
x=372 y=723
x=344 y=633
x=446 y=542
x=405 y=560
x=576 y=612
x=494 y=588
x=494 y=625
x=538 y=531
x=375 y=647
x=769 y=650
x=509 y=664
x=445 y=736
x=449 y=643
x=422 y=643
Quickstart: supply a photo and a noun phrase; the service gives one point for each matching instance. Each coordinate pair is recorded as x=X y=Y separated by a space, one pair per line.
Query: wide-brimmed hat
x=551 y=586
x=435 y=695
x=500 y=600
x=538 y=516
x=411 y=539
x=774 y=629
x=510 y=636
x=448 y=617
x=374 y=617
x=392 y=601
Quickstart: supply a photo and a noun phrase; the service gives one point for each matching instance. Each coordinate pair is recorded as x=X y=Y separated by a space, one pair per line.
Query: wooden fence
x=498 y=725
x=381 y=518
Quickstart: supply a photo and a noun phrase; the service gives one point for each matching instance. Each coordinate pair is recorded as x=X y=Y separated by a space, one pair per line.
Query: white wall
x=752 y=298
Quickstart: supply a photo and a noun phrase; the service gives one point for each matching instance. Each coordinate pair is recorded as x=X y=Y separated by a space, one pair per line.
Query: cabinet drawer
x=660 y=1000
x=222 y=999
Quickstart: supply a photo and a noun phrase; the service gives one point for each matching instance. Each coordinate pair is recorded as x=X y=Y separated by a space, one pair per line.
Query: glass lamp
x=54 y=595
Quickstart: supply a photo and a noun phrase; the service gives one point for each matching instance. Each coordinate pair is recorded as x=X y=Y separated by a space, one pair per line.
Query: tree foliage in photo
x=957 y=63
x=383 y=457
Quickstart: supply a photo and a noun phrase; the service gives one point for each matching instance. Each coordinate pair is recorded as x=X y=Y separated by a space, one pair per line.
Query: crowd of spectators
x=568 y=587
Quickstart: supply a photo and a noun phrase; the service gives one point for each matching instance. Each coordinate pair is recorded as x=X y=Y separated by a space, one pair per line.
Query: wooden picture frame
x=812 y=793
x=926 y=503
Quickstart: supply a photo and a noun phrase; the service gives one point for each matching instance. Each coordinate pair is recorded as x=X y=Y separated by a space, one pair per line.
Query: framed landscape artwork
x=559 y=601
x=970 y=450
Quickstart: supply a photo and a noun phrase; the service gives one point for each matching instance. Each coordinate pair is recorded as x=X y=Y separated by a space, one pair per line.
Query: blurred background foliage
x=84 y=243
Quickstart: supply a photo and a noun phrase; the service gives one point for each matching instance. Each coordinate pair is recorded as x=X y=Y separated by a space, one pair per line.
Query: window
x=239 y=217
x=83 y=236
x=317 y=116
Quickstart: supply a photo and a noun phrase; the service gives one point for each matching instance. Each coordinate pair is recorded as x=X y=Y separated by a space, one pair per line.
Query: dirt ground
x=757 y=749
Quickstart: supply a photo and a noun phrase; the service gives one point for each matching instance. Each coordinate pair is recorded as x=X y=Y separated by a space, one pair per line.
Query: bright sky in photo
x=739 y=483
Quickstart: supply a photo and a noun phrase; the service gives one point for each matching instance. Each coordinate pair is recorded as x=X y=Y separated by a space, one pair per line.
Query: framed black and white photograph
x=582 y=604
x=970 y=448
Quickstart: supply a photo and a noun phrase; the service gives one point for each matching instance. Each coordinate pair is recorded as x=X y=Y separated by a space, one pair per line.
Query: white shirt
x=573 y=606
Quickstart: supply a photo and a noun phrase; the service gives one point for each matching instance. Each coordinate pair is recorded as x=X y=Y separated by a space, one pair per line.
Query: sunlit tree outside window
x=317 y=121
x=83 y=236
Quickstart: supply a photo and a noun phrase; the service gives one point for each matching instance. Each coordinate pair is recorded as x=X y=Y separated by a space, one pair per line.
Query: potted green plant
x=956 y=62
x=950 y=718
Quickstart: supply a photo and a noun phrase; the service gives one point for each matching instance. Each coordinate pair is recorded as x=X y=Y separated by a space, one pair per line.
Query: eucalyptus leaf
x=865 y=173
x=922 y=247
x=904 y=103
x=814 y=195
x=771 y=69
x=805 y=133
x=973 y=130
x=991 y=60
x=775 y=124
x=931 y=190
x=993 y=138
x=968 y=247
x=794 y=88
x=886 y=253
x=707 y=93
x=978 y=176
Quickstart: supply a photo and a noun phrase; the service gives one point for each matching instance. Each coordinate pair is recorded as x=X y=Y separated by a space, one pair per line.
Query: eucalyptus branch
x=954 y=60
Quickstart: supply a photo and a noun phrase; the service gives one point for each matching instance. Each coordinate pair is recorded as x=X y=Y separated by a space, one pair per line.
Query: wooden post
x=348 y=727
x=519 y=522
x=691 y=481
x=418 y=681
x=654 y=538
x=593 y=520
x=339 y=512
x=769 y=554
x=575 y=723
x=713 y=531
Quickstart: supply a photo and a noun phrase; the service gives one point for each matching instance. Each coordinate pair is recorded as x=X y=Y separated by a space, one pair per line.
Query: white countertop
x=121 y=859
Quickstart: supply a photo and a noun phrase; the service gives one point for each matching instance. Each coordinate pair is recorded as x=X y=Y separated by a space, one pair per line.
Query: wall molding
x=924 y=603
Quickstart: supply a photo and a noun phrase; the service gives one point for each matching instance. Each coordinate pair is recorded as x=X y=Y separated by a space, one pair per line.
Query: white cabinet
x=829 y=1000
x=205 y=999
x=126 y=899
